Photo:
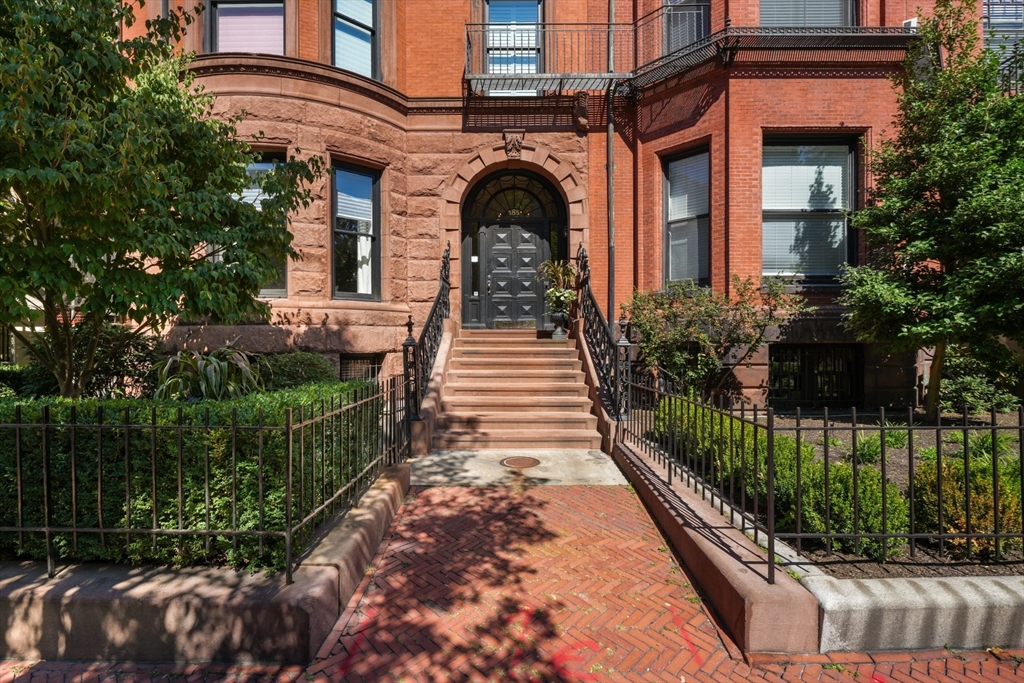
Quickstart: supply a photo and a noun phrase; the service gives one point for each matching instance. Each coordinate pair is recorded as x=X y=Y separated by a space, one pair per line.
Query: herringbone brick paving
x=535 y=584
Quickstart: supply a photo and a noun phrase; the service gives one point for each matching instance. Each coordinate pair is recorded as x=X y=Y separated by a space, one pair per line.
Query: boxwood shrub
x=138 y=468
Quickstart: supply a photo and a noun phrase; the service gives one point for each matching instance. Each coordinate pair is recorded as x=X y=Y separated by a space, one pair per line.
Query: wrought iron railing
x=181 y=485
x=883 y=488
x=522 y=58
x=419 y=354
x=525 y=59
x=611 y=358
x=6 y=345
x=1003 y=23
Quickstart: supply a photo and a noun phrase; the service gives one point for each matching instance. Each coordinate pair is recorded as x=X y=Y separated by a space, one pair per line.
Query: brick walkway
x=559 y=583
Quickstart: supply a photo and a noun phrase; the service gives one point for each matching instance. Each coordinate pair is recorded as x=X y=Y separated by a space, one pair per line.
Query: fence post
x=288 y=496
x=47 y=507
x=623 y=372
x=770 y=503
x=409 y=373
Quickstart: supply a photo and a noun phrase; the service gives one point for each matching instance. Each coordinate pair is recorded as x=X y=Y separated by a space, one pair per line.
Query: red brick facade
x=431 y=140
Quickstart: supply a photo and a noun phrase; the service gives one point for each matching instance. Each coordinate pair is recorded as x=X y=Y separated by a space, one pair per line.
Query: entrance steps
x=508 y=389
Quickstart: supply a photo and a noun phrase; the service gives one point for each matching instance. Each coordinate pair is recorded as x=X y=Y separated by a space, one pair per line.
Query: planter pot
x=561 y=322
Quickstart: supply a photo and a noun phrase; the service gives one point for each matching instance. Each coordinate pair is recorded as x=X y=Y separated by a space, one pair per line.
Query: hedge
x=100 y=459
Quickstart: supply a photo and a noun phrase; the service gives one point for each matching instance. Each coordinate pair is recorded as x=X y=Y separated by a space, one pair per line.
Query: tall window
x=806 y=191
x=513 y=40
x=808 y=12
x=251 y=26
x=356 y=234
x=686 y=227
x=686 y=22
x=355 y=36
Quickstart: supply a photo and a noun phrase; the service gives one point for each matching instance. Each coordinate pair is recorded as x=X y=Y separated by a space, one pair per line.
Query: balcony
x=527 y=59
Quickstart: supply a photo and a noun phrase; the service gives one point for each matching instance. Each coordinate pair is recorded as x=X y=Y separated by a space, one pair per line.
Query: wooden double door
x=500 y=259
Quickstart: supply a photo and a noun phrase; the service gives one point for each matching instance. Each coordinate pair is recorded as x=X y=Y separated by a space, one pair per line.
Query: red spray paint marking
x=565 y=655
x=878 y=678
x=371 y=613
x=525 y=614
x=686 y=636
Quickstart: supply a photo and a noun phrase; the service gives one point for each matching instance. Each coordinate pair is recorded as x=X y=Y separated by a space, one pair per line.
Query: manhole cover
x=519 y=462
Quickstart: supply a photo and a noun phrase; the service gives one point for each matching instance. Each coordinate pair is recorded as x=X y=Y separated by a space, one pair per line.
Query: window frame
x=375 y=247
x=375 y=70
x=668 y=8
x=210 y=23
x=851 y=9
x=275 y=156
x=853 y=192
x=540 y=48
x=667 y=223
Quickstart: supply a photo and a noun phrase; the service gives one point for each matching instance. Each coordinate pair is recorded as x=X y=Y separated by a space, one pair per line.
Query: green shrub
x=284 y=370
x=954 y=499
x=980 y=377
x=842 y=508
x=896 y=437
x=6 y=392
x=869 y=449
x=245 y=460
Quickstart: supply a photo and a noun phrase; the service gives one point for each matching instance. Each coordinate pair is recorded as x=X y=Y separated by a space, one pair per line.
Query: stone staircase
x=508 y=389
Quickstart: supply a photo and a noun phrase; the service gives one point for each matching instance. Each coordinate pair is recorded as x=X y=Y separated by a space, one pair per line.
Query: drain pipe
x=610 y=170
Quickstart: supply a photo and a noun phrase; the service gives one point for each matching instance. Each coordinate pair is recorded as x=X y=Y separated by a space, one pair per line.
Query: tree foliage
x=116 y=182
x=689 y=331
x=944 y=229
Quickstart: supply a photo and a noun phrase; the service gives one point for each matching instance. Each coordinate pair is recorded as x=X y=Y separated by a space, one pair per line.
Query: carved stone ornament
x=581 y=111
x=514 y=143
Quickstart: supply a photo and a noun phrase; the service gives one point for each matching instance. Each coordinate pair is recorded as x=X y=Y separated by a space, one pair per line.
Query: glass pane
x=278 y=285
x=255 y=27
x=686 y=22
x=804 y=13
x=688 y=250
x=360 y=10
x=513 y=11
x=688 y=187
x=804 y=245
x=353 y=48
x=806 y=177
x=354 y=269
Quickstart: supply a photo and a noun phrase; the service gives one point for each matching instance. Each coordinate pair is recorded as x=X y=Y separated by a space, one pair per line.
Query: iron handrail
x=419 y=354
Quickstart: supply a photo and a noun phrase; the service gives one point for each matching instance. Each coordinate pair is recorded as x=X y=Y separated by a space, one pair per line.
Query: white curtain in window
x=805 y=13
x=250 y=27
x=688 y=187
x=688 y=250
x=806 y=177
x=810 y=245
x=354 y=201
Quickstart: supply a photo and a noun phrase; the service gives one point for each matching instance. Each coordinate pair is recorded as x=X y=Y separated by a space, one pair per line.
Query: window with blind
x=247 y=27
x=1003 y=25
x=806 y=192
x=686 y=22
x=807 y=12
x=356 y=234
x=513 y=40
x=355 y=36
x=686 y=225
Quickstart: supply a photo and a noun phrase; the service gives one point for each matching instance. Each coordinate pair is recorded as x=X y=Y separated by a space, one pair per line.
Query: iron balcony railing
x=527 y=59
x=521 y=59
x=1003 y=23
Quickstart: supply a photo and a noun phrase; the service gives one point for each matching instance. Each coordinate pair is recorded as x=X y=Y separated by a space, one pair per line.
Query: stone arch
x=488 y=159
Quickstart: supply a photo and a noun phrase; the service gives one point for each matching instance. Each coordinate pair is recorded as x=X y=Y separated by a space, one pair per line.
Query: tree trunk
x=935 y=383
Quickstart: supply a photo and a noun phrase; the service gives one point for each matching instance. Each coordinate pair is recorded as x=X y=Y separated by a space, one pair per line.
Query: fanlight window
x=514 y=196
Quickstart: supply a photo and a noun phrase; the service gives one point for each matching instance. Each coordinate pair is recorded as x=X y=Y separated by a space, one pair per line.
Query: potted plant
x=561 y=292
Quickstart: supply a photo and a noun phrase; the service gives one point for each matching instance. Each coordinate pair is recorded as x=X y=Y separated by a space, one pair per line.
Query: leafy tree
x=945 y=228
x=689 y=331
x=116 y=184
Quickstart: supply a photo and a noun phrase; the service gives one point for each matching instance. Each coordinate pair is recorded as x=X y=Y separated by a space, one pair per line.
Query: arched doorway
x=511 y=223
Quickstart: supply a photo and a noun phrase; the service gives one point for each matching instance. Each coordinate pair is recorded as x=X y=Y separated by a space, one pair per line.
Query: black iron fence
x=419 y=354
x=611 y=358
x=6 y=345
x=182 y=485
x=880 y=486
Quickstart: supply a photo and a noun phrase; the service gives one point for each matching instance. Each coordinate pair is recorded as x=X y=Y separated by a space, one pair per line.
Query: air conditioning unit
x=910 y=23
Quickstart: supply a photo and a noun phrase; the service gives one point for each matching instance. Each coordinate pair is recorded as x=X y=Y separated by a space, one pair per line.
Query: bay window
x=806 y=194
x=687 y=226
x=251 y=26
x=356 y=242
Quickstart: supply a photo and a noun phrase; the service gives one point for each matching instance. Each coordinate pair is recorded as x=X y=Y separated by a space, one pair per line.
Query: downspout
x=610 y=169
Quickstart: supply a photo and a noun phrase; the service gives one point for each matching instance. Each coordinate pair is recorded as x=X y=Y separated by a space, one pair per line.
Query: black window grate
x=814 y=375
